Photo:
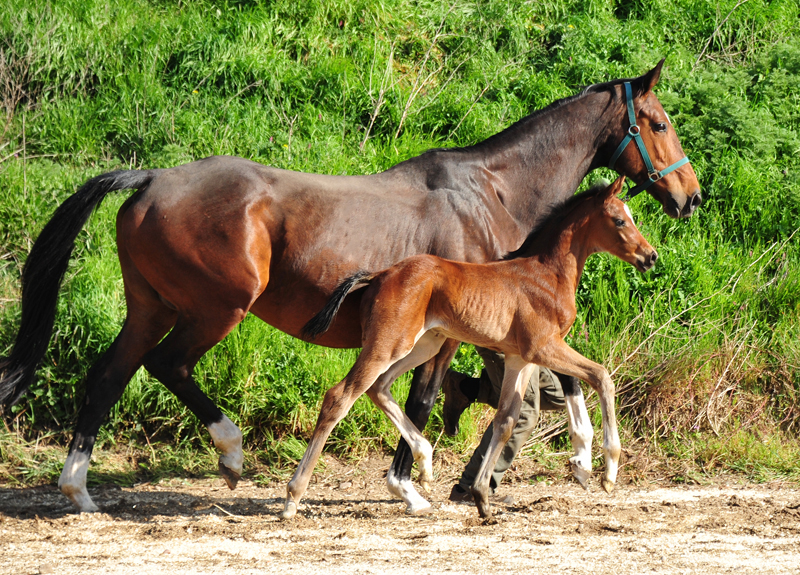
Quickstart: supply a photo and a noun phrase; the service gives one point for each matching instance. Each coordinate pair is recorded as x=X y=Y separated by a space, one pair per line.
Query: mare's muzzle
x=647 y=261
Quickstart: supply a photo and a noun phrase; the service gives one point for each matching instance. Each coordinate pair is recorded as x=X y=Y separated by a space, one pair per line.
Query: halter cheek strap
x=634 y=133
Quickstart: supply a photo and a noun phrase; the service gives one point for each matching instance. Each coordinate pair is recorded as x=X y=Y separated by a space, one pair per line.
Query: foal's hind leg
x=380 y=394
x=421 y=398
x=105 y=383
x=337 y=402
x=172 y=363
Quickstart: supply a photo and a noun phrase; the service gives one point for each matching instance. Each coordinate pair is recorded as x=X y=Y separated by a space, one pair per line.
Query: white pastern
x=581 y=434
x=228 y=439
x=415 y=503
x=72 y=482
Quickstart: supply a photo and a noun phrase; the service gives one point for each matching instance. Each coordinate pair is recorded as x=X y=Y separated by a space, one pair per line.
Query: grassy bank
x=704 y=348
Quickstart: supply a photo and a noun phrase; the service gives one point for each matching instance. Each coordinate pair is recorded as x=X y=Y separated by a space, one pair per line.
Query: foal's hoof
x=229 y=475
x=608 y=485
x=426 y=485
x=419 y=508
x=289 y=510
x=582 y=475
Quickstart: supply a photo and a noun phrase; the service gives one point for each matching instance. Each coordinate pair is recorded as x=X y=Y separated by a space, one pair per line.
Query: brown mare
x=522 y=307
x=203 y=244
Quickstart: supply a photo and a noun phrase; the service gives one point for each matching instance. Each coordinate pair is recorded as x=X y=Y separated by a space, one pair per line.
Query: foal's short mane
x=553 y=217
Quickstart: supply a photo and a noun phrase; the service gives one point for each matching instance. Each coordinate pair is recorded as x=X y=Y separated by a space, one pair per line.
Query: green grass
x=704 y=347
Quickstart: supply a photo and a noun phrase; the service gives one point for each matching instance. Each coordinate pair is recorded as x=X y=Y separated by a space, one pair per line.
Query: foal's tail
x=43 y=273
x=320 y=323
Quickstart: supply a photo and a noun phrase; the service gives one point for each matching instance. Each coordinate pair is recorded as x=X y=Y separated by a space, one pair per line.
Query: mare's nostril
x=697 y=199
x=653 y=258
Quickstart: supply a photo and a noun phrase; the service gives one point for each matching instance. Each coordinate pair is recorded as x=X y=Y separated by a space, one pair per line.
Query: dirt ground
x=348 y=524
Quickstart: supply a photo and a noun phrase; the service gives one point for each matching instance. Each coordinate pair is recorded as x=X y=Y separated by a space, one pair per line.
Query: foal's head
x=611 y=229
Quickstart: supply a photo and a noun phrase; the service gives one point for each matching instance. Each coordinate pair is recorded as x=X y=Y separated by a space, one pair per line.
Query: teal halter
x=635 y=135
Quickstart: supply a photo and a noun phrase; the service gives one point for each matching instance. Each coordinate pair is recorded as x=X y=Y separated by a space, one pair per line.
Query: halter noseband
x=635 y=135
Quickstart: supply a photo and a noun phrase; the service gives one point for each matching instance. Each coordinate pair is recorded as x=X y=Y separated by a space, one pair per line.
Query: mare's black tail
x=320 y=323
x=43 y=273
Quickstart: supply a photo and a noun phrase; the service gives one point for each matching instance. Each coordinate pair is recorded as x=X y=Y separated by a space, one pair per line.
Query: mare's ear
x=647 y=82
x=614 y=189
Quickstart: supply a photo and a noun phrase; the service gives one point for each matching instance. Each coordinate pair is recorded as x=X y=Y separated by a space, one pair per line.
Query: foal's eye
x=660 y=127
x=619 y=223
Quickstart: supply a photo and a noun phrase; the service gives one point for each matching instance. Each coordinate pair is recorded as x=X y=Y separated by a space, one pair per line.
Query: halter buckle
x=654 y=176
x=634 y=130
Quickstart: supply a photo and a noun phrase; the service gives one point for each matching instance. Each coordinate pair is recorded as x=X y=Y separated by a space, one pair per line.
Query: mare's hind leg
x=105 y=383
x=421 y=398
x=172 y=363
x=381 y=395
x=515 y=380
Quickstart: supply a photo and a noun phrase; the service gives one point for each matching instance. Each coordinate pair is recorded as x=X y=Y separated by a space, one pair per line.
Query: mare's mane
x=522 y=124
x=553 y=217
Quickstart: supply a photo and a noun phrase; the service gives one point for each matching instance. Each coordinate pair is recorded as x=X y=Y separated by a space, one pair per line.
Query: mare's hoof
x=229 y=475
x=582 y=475
x=608 y=485
x=426 y=486
x=80 y=499
x=90 y=508
x=289 y=510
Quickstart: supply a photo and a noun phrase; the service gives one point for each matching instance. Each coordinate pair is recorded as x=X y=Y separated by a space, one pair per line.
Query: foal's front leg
x=515 y=380
x=558 y=356
x=580 y=430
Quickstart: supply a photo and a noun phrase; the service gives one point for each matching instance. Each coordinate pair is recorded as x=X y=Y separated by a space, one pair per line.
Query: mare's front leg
x=580 y=429
x=421 y=399
x=515 y=380
x=558 y=356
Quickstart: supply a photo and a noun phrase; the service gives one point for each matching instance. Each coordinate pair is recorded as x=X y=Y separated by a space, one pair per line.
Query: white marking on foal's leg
x=228 y=439
x=72 y=482
x=404 y=489
x=580 y=433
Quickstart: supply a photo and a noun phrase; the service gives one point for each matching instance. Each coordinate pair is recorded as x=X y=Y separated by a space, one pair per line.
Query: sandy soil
x=348 y=524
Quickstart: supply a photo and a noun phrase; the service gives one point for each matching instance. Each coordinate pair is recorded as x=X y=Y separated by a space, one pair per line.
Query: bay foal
x=522 y=307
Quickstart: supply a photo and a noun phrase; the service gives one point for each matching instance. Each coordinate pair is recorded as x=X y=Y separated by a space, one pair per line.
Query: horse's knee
x=172 y=374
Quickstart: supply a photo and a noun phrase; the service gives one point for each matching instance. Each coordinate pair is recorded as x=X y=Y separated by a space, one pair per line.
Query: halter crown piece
x=635 y=135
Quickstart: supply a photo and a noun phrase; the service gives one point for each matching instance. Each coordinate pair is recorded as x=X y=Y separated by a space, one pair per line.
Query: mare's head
x=611 y=229
x=678 y=191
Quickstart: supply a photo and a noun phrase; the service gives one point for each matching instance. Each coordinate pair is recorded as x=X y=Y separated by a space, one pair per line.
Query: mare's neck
x=543 y=159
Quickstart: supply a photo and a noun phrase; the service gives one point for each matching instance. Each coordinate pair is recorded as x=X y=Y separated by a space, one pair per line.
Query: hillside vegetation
x=705 y=348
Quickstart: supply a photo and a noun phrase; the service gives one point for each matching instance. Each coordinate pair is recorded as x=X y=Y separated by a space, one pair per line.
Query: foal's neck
x=562 y=250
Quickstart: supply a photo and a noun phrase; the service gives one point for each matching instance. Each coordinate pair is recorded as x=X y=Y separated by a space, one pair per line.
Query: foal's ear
x=648 y=81
x=614 y=189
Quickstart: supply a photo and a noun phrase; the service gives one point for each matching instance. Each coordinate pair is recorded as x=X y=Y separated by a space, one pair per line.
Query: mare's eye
x=660 y=127
x=619 y=223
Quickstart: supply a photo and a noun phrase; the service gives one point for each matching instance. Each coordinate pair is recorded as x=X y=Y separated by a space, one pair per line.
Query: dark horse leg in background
x=171 y=361
x=421 y=398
